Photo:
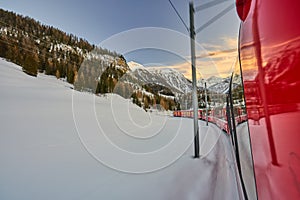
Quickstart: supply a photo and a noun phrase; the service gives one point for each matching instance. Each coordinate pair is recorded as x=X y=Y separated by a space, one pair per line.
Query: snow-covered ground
x=56 y=143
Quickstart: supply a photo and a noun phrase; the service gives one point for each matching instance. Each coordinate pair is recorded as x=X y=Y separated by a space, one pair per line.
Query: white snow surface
x=134 y=65
x=45 y=156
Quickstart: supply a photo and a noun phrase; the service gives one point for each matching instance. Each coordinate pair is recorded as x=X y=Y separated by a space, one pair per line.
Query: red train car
x=269 y=53
x=215 y=115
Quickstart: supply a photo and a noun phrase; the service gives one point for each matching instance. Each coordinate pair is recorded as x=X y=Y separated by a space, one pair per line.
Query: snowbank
x=45 y=153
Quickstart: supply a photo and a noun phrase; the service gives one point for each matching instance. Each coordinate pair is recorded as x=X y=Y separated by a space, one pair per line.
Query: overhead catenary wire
x=187 y=28
x=204 y=7
x=209 y=4
x=215 y=18
x=201 y=7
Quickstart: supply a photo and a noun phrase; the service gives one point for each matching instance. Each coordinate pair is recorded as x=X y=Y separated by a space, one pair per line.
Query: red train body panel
x=269 y=55
x=270 y=63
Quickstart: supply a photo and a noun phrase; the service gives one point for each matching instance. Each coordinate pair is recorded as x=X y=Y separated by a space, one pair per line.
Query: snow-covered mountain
x=218 y=84
x=174 y=79
x=220 y=87
x=167 y=77
x=210 y=81
x=134 y=65
x=215 y=84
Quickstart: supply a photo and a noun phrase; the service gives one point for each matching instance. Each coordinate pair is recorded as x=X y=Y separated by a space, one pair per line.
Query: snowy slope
x=45 y=153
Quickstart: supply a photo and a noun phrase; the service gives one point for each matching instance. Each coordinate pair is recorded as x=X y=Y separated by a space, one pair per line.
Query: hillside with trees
x=39 y=48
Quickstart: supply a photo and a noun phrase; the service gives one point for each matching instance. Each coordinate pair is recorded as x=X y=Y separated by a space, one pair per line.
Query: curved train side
x=217 y=116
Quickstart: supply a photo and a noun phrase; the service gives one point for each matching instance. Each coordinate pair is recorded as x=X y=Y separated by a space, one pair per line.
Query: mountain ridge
x=167 y=77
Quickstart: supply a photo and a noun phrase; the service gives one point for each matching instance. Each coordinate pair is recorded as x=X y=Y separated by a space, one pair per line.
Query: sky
x=98 y=21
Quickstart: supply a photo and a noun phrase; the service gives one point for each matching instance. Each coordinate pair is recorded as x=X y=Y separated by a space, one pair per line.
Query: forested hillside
x=40 y=48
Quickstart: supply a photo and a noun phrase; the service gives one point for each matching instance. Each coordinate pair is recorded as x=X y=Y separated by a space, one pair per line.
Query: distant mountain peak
x=134 y=65
x=167 y=77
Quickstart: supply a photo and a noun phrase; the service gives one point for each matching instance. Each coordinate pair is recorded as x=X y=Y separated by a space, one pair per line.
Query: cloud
x=230 y=42
x=209 y=46
x=216 y=60
x=223 y=57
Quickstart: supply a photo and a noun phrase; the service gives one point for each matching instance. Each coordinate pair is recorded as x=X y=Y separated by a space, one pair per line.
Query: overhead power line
x=215 y=18
x=209 y=4
x=203 y=7
x=187 y=28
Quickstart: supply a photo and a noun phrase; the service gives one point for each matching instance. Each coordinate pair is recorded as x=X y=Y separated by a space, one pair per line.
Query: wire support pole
x=194 y=80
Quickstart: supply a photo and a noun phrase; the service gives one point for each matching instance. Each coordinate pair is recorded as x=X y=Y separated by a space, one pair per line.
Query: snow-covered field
x=56 y=143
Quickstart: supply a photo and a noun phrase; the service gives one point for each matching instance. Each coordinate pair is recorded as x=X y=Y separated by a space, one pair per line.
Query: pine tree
x=30 y=65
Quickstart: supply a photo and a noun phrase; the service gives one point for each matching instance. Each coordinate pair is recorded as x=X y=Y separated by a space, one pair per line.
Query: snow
x=106 y=59
x=134 y=65
x=54 y=145
x=119 y=67
x=173 y=78
x=167 y=77
x=216 y=84
x=167 y=97
x=3 y=29
x=149 y=94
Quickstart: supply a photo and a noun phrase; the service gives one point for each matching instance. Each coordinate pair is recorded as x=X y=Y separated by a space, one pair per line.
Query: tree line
x=41 y=48
x=45 y=49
